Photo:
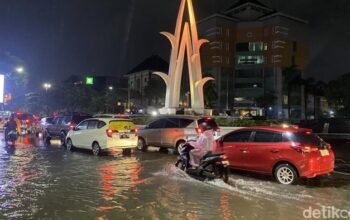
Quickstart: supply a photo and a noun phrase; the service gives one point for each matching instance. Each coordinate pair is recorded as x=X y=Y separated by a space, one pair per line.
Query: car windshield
x=121 y=125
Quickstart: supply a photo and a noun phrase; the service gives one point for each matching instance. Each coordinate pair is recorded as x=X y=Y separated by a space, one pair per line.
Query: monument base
x=198 y=111
x=167 y=111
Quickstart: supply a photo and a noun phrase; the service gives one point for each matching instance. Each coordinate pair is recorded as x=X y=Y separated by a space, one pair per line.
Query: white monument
x=184 y=40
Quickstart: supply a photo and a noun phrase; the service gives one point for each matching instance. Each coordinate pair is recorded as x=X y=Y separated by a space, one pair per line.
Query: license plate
x=124 y=136
x=324 y=153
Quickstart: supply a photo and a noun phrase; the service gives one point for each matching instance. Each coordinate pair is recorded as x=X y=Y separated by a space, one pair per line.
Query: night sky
x=59 y=38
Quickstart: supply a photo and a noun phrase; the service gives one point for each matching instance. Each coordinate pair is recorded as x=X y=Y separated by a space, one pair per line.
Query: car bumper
x=318 y=166
x=120 y=144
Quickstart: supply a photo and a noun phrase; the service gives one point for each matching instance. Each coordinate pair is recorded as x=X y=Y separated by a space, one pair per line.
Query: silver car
x=172 y=131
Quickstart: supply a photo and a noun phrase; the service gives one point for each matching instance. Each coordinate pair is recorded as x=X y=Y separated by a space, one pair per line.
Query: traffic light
x=89 y=80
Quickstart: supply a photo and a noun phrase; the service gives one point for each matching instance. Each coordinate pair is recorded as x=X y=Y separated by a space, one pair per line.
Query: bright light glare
x=47 y=86
x=285 y=125
x=154 y=113
x=19 y=69
x=2 y=81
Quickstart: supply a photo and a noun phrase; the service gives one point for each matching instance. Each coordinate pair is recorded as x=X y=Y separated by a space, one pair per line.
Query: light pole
x=47 y=86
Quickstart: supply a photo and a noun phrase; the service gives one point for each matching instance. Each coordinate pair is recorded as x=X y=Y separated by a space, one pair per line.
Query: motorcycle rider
x=11 y=125
x=203 y=145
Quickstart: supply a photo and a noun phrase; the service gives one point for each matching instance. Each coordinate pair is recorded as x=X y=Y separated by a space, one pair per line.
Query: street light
x=47 y=86
x=110 y=88
x=19 y=69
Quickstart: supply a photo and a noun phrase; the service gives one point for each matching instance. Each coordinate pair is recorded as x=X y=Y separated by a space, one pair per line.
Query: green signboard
x=89 y=80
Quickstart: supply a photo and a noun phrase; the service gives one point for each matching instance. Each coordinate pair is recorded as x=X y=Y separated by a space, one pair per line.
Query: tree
x=210 y=94
x=337 y=94
x=266 y=100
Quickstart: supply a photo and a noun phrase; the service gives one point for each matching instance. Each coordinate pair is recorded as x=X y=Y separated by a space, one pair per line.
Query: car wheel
x=96 y=150
x=286 y=174
x=179 y=146
x=69 y=145
x=141 y=144
x=63 y=138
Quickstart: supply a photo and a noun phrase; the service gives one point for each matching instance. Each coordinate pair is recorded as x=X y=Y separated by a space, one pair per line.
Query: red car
x=285 y=153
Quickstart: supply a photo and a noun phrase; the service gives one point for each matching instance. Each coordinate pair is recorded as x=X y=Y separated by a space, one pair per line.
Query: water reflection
x=118 y=178
x=38 y=182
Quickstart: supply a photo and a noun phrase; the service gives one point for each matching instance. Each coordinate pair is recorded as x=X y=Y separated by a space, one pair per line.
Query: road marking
x=337 y=172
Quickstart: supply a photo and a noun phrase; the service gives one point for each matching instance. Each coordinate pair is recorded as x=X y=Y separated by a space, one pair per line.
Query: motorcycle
x=212 y=166
x=10 y=137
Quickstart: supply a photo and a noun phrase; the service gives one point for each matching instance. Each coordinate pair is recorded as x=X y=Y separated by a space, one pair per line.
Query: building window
x=228 y=47
x=227 y=60
x=265 y=46
x=250 y=60
x=293 y=60
x=280 y=30
x=251 y=46
x=228 y=32
x=278 y=44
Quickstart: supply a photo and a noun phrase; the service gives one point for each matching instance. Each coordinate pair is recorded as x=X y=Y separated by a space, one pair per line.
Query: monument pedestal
x=167 y=111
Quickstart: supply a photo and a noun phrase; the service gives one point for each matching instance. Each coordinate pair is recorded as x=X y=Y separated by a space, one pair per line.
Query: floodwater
x=38 y=182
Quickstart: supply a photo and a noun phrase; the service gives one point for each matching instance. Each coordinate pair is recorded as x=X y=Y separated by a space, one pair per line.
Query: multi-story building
x=140 y=76
x=251 y=47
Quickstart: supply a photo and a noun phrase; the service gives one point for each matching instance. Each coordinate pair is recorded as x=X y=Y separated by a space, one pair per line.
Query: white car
x=103 y=134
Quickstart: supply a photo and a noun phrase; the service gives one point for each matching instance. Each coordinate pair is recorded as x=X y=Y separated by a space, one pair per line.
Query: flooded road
x=38 y=182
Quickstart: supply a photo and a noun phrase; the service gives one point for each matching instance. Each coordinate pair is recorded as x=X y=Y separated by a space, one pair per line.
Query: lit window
x=250 y=60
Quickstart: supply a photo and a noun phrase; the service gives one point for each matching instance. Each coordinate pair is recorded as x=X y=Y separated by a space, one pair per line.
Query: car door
x=234 y=146
x=264 y=151
x=153 y=132
x=89 y=135
x=171 y=132
x=57 y=127
x=78 y=134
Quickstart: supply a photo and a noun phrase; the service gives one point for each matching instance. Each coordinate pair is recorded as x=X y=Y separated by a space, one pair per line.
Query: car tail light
x=199 y=131
x=304 y=148
x=109 y=132
x=218 y=129
x=134 y=130
x=224 y=157
x=71 y=127
x=27 y=121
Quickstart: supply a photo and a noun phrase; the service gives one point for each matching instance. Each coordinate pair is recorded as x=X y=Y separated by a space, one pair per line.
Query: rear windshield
x=304 y=138
x=211 y=122
x=121 y=125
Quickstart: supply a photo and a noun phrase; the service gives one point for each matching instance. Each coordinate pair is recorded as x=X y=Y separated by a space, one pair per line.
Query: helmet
x=204 y=126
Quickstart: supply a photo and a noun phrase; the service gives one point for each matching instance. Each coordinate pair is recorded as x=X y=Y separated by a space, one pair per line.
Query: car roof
x=276 y=129
x=193 y=117
x=110 y=119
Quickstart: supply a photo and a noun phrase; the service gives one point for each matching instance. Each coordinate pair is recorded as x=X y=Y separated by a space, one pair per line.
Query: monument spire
x=184 y=40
